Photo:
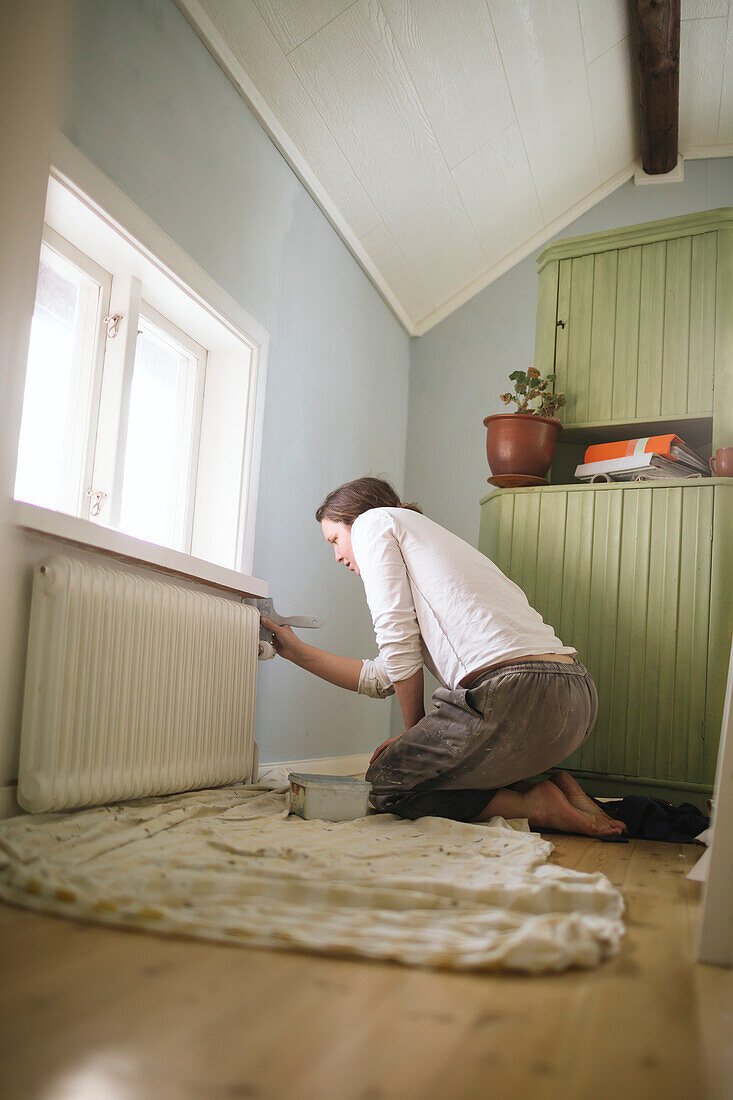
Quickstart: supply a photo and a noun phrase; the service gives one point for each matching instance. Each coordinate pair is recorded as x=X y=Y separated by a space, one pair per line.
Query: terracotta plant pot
x=520 y=443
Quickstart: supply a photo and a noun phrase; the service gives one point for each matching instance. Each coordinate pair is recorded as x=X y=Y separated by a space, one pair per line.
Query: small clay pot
x=520 y=443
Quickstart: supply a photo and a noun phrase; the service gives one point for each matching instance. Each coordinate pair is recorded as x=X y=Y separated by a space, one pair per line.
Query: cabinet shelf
x=617 y=486
x=696 y=430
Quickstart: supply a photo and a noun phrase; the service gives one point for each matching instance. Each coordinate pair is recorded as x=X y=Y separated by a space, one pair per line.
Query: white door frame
x=715 y=934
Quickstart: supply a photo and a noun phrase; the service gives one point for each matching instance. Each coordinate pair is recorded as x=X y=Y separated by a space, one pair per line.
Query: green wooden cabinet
x=635 y=577
x=637 y=324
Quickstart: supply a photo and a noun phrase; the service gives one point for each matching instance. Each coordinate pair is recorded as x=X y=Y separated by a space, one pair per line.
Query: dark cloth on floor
x=655 y=819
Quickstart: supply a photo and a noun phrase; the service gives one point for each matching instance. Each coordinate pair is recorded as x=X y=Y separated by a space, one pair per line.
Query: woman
x=515 y=701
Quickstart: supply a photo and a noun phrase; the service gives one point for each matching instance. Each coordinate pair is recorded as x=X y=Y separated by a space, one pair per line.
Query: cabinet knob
x=560 y=324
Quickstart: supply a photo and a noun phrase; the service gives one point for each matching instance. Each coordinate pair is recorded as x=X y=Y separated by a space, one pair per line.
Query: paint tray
x=328 y=797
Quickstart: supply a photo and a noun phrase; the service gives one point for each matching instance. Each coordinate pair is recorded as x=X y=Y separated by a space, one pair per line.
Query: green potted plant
x=520 y=445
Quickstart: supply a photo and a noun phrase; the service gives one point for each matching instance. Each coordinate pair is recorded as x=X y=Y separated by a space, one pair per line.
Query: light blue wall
x=150 y=107
x=458 y=369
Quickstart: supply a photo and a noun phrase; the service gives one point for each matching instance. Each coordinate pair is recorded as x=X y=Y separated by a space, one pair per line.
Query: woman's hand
x=383 y=746
x=287 y=643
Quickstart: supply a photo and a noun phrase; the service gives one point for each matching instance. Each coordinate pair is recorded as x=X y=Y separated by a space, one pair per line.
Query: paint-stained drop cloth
x=229 y=864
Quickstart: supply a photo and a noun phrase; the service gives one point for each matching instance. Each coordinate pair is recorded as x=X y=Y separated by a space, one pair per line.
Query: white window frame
x=108 y=470
x=193 y=412
x=169 y=271
x=87 y=425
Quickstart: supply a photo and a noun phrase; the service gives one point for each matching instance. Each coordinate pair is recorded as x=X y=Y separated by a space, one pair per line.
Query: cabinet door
x=635 y=331
x=623 y=575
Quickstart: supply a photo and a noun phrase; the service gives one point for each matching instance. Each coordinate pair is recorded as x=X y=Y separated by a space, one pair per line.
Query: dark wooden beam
x=658 y=52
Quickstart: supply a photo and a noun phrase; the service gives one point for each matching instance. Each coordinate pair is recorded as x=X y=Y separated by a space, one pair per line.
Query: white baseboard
x=8 y=803
x=325 y=765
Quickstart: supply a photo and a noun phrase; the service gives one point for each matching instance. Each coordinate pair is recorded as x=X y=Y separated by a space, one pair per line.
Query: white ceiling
x=447 y=139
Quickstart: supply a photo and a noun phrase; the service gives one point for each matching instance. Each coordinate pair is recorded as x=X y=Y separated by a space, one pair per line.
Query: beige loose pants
x=511 y=723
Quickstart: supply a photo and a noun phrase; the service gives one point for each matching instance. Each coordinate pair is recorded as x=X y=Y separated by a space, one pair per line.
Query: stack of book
x=647 y=459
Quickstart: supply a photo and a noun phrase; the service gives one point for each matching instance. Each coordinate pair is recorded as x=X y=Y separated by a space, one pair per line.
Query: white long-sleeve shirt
x=437 y=601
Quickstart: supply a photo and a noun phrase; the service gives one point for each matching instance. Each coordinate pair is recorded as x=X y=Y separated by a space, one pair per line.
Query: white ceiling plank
x=220 y=50
x=550 y=230
x=498 y=192
x=354 y=71
x=542 y=49
x=702 y=48
x=453 y=59
x=381 y=246
x=613 y=101
x=292 y=21
x=253 y=45
x=725 y=123
x=703 y=9
x=373 y=103
x=605 y=23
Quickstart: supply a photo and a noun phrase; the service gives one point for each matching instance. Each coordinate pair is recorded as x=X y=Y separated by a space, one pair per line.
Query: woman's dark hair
x=353 y=498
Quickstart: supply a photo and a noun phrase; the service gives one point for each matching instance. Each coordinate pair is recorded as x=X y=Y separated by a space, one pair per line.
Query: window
x=52 y=453
x=143 y=400
x=163 y=428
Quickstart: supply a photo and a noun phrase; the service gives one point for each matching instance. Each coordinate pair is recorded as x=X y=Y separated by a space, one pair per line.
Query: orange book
x=652 y=444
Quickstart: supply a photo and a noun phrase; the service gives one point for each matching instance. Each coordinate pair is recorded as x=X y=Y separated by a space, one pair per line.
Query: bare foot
x=546 y=807
x=577 y=797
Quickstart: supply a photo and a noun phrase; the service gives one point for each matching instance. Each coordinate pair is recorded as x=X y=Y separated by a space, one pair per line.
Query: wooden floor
x=95 y=1014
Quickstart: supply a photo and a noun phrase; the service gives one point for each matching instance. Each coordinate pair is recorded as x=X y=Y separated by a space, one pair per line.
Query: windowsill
x=81 y=532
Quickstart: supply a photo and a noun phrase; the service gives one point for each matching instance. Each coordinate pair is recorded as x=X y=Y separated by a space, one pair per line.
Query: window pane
x=56 y=401
x=158 y=445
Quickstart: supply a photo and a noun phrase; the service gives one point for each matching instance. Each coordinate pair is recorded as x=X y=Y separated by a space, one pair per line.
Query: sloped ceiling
x=447 y=139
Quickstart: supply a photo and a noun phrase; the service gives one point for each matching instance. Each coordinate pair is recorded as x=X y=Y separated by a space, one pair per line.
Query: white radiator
x=133 y=687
